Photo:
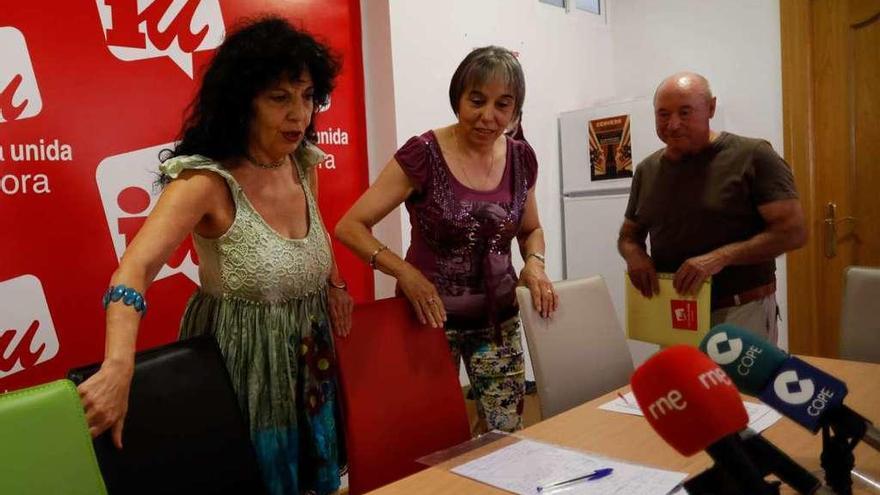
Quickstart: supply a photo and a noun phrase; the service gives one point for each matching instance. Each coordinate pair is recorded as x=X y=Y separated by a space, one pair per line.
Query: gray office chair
x=859 y=325
x=580 y=353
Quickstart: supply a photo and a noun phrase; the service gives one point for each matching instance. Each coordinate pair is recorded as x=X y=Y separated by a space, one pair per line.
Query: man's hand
x=640 y=268
x=694 y=271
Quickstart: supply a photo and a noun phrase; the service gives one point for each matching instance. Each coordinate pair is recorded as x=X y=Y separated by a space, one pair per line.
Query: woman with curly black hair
x=242 y=180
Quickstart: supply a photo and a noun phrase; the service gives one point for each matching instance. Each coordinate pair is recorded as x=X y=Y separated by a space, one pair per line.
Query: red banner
x=89 y=94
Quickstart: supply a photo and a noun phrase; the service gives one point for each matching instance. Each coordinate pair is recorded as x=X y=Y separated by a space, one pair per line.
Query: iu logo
x=19 y=95
x=27 y=334
x=791 y=390
x=722 y=349
x=125 y=183
x=684 y=314
x=142 y=29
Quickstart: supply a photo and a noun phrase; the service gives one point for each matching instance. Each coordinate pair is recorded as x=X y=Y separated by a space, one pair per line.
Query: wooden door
x=831 y=116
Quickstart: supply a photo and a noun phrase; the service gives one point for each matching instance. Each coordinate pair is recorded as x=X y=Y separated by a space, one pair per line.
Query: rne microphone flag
x=693 y=405
x=688 y=399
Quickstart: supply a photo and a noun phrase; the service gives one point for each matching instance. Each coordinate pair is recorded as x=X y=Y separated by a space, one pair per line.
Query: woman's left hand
x=544 y=297
x=341 y=306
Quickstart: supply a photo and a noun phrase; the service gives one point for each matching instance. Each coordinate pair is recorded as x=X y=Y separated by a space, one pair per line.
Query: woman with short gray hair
x=469 y=190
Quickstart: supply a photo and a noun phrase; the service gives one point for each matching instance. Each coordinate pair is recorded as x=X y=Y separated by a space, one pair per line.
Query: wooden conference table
x=630 y=438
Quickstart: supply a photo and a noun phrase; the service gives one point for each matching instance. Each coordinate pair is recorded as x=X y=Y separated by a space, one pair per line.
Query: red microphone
x=693 y=405
x=688 y=399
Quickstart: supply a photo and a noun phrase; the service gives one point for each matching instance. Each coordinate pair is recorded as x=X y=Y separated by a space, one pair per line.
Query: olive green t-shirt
x=708 y=200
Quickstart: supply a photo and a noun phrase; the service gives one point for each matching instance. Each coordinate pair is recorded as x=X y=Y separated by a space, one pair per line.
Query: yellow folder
x=668 y=318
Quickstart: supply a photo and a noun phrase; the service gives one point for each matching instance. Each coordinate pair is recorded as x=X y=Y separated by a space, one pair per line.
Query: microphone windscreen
x=688 y=400
x=749 y=360
x=803 y=393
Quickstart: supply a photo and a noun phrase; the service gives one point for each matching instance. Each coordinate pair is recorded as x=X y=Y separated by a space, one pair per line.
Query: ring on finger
x=430 y=301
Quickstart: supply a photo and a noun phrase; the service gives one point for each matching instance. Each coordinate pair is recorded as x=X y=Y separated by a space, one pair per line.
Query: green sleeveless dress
x=263 y=297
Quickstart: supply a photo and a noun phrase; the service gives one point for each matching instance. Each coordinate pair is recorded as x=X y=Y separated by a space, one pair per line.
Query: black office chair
x=184 y=433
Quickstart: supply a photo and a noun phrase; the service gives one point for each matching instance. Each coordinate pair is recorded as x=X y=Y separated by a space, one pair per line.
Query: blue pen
x=595 y=475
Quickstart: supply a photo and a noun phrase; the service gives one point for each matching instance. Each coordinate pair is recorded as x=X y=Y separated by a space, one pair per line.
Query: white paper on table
x=524 y=466
x=761 y=416
x=625 y=405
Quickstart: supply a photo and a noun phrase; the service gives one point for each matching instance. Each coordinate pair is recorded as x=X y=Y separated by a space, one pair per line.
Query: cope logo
x=143 y=29
x=684 y=314
x=125 y=183
x=792 y=390
x=722 y=349
x=27 y=334
x=19 y=95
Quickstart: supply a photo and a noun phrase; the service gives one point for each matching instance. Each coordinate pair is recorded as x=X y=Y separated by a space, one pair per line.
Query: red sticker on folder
x=684 y=314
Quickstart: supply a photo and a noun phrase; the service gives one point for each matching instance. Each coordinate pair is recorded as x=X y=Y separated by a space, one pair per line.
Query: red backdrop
x=89 y=93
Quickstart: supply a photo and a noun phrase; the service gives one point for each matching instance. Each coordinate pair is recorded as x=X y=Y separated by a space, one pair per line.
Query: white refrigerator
x=593 y=203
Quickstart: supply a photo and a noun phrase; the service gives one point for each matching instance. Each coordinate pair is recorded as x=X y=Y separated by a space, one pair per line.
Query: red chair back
x=400 y=391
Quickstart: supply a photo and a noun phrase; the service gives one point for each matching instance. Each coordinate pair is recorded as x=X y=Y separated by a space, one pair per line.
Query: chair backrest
x=401 y=394
x=184 y=432
x=859 y=325
x=580 y=352
x=45 y=445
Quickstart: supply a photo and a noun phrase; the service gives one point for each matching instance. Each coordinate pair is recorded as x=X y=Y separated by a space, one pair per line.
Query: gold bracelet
x=342 y=286
x=378 y=250
x=539 y=256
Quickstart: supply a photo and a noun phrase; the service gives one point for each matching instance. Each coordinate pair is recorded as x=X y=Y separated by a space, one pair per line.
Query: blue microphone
x=804 y=393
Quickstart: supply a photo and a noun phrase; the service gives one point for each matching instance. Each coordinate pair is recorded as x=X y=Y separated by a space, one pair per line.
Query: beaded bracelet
x=128 y=296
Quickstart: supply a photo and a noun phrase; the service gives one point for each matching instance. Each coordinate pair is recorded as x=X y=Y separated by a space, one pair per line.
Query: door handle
x=831 y=229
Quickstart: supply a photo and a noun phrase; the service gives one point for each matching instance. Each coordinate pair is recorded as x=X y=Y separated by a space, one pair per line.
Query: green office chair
x=45 y=445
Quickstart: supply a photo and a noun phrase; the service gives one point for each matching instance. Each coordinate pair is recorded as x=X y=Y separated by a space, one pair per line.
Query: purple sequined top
x=461 y=238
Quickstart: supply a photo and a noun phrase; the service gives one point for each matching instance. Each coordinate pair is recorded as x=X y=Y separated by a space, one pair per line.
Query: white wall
x=736 y=45
x=381 y=124
x=575 y=60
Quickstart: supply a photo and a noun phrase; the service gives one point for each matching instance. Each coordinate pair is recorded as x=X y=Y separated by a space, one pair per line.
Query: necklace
x=470 y=182
x=274 y=164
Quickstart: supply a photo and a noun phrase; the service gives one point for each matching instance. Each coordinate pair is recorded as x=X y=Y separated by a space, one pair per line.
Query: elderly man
x=714 y=204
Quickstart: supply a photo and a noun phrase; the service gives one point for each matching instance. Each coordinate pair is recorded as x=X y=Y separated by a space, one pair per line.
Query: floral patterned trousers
x=495 y=368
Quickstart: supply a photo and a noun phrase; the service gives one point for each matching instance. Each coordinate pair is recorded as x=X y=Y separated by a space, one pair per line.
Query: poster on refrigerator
x=601 y=146
x=90 y=93
x=610 y=148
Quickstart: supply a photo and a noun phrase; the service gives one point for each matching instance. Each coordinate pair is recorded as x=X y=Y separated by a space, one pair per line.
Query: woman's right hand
x=423 y=296
x=105 y=398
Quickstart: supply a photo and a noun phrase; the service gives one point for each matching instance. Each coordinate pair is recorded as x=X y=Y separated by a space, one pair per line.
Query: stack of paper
x=527 y=465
